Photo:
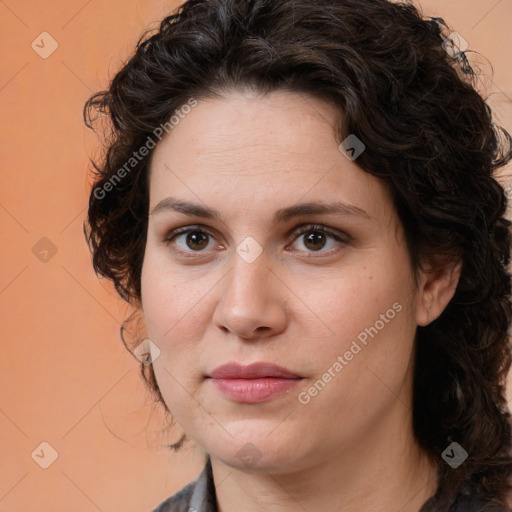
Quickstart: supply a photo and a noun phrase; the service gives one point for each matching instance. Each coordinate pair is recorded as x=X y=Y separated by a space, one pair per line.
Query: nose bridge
x=249 y=300
x=247 y=280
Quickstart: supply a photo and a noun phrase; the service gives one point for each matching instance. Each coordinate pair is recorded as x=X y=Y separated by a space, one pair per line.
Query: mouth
x=255 y=383
x=252 y=371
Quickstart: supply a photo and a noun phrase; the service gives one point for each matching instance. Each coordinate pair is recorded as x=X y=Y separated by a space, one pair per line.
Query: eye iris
x=197 y=238
x=314 y=238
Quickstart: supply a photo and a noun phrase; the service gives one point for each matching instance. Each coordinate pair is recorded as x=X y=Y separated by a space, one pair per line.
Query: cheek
x=171 y=315
x=371 y=316
x=176 y=311
x=171 y=298
x=356 y=300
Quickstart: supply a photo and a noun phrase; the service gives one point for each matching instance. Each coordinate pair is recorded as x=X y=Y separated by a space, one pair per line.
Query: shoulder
x=178 y=502
x=197 y=496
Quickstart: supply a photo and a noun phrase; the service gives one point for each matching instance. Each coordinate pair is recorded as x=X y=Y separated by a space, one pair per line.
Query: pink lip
x=252 y=371
x=255 y=383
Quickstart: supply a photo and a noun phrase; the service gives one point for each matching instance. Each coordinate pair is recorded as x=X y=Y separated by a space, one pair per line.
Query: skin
x=298 y=304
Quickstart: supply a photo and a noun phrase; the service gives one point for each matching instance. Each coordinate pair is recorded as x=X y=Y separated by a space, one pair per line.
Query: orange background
x=66 y=378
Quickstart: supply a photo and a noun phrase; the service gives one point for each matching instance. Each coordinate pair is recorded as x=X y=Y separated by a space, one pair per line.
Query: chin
x=258 y=455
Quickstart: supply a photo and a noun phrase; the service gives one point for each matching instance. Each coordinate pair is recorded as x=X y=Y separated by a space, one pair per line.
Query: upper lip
x=252 y=371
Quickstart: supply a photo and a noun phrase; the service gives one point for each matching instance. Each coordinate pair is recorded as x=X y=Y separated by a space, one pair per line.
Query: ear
x=437 y=286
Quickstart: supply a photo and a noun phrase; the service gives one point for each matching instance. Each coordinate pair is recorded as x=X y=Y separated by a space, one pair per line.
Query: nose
x=253 y=300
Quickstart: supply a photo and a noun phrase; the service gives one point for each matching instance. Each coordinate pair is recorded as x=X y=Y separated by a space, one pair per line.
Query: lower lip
x=253 y=391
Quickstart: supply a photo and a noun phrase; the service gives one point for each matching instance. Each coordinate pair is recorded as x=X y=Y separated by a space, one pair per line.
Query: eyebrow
x=281 y=215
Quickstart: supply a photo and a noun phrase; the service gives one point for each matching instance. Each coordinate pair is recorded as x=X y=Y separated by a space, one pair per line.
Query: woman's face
x=295 y=257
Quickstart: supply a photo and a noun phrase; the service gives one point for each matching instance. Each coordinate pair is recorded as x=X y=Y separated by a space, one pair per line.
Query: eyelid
x=336 y=234
x=186 y=229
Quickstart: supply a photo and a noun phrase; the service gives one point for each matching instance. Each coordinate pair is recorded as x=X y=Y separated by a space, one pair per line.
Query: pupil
x=197 y=238
x=314 y=238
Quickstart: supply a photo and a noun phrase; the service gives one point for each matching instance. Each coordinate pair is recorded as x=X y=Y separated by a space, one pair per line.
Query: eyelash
x=317 y=228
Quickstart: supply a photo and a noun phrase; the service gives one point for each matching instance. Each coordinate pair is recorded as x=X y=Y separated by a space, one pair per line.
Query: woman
x=300 y=200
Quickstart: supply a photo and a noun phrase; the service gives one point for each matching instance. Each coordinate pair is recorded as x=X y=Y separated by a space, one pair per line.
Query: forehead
x=279 y=147
x=249 y=124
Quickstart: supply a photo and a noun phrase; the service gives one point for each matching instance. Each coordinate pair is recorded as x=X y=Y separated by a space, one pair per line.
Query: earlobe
x=436 y=289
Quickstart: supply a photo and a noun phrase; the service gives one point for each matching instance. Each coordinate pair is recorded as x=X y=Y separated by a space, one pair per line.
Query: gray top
x=199 y=496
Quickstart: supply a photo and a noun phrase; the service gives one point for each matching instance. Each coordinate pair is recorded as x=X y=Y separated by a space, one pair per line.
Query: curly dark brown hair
x=429 y=137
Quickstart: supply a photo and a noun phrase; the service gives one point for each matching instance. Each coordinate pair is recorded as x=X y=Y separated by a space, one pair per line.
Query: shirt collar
x=203 y=497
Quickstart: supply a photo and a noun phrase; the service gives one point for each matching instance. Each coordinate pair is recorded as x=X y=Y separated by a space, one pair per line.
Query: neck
x=385 y=471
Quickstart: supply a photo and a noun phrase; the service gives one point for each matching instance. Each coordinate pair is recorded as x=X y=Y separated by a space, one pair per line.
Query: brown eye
x=189 y=240
x=197 y=240
x=315 y=240
x=319 y=239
